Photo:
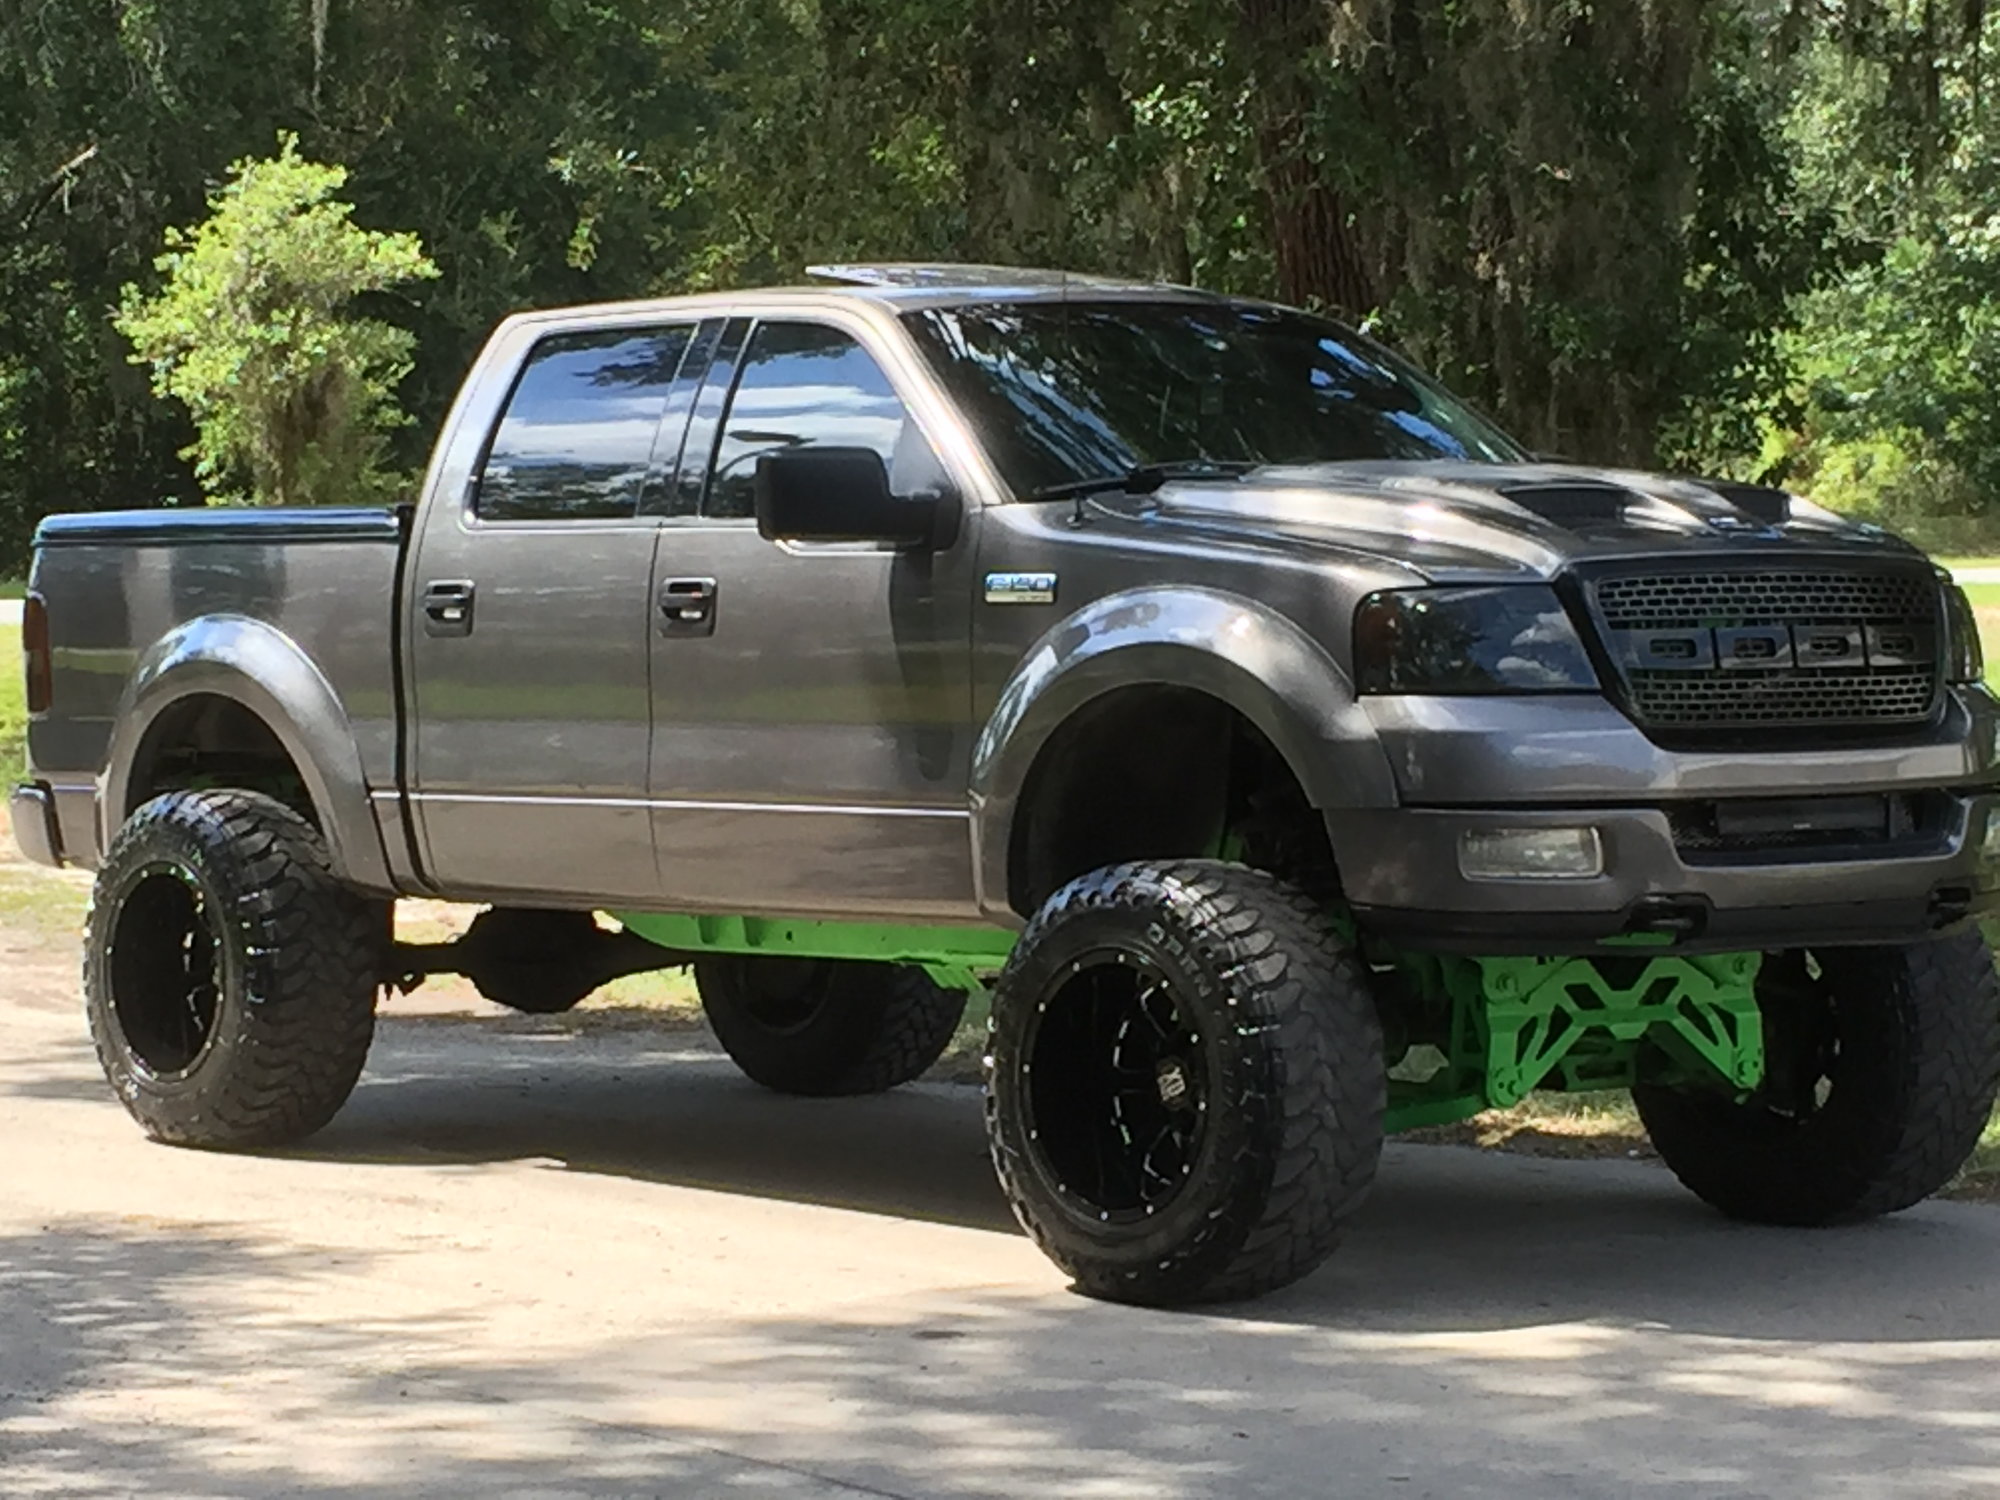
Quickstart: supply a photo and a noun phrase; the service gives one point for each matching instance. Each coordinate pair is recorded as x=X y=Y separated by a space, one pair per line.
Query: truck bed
x=121 y=588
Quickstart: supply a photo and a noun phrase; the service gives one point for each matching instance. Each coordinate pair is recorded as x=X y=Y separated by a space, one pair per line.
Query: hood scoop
x=1573 y=504
x=1759 y=502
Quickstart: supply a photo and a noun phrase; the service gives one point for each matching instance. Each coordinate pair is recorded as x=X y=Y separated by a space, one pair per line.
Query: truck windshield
x=1064 y=392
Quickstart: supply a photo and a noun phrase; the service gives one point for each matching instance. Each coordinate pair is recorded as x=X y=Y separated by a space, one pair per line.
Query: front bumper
x=1401 y=875
x=37 y=834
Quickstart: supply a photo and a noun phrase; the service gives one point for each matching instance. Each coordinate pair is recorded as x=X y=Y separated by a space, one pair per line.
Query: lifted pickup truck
x=1304 y=758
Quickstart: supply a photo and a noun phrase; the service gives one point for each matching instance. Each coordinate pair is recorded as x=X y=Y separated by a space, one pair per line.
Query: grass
x=13 y=703
x=1607 y=1125
x=1985 y=599
x=13 y=588
x=47 y=903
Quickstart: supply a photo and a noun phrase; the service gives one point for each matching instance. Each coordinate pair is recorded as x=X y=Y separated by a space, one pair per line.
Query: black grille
x=1792 y=649
x=1662 y=601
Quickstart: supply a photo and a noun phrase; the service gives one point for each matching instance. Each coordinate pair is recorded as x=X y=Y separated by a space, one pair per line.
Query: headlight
x=1513 y=638
x=1964 y=659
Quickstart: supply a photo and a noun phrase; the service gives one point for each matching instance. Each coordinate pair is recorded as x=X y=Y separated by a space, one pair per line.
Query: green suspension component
x=955 y=957
x=1488 y=1031
x=1514 y=1025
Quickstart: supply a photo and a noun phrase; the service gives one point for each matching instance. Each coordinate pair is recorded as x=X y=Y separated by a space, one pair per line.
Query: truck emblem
x=1020 y=588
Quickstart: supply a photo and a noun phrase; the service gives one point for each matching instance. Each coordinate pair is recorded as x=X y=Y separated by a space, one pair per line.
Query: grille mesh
x=1779 y=698
x=1686 y=601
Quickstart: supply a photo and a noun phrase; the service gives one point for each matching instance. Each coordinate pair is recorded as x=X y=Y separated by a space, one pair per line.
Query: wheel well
x=1161 y=772
x=206 y=740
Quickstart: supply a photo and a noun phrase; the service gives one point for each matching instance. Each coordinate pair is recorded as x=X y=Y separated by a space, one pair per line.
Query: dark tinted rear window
x=576 y=440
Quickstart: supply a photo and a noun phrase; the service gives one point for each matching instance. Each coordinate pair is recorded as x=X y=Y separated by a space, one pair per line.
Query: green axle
x=1484 y=1033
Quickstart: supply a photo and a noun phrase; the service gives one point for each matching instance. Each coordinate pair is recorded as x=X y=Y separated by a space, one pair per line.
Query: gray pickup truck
x=1291 y=756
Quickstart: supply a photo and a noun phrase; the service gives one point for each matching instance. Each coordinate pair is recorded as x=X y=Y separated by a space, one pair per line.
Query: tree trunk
x=1313 y=239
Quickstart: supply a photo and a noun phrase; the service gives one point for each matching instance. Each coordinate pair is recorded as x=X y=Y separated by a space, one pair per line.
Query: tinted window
x=576 y=440
x=1088 y=390
x=807 y=385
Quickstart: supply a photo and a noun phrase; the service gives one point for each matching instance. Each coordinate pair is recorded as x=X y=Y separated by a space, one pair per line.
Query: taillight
x=35 y=653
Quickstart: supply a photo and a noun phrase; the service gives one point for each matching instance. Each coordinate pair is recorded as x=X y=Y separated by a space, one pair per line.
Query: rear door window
x=577 y=440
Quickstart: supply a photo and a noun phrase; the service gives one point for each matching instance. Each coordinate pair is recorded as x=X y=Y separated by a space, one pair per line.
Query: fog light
x=1531 y=854
x=1990 y=844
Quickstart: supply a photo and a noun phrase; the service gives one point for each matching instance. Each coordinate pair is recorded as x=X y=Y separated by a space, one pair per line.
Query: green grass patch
x=13 y=588
x=1985 y=599
x=13 y=704
x=47 y=903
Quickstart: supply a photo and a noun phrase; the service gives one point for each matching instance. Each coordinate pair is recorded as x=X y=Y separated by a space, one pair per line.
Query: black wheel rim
x=166 y=963
x=1801 y=1009
x=783 y=995
x=1118 y=1087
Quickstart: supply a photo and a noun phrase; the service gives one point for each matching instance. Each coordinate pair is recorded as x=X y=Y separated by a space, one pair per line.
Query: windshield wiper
x=1144 y=479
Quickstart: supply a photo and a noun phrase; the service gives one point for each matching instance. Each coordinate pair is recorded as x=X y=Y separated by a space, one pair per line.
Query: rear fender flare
x=1229 y=647
x=263 y=669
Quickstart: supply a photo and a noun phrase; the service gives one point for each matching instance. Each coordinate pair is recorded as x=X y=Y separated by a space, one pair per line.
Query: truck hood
x=1451 y=522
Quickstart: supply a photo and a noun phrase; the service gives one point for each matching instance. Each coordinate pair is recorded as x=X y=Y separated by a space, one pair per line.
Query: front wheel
x=1185 y=1083
x=230 y=979
x=1880 y=1075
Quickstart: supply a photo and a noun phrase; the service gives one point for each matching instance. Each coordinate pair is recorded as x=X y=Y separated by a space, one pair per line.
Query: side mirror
x=842 y=495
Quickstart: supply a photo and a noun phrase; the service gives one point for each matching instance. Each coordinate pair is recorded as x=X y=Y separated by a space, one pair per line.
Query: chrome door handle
x=448 y=607
x=687 y=606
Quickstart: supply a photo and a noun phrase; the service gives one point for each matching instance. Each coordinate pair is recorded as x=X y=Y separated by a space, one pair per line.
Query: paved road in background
x=531 y=1263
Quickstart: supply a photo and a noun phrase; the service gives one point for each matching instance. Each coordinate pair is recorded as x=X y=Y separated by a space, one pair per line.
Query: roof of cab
x=902 y=286
x=941 y=283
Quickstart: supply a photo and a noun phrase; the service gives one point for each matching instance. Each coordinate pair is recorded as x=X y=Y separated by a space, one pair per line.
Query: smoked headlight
x=1508 y=638
x=1965 y=660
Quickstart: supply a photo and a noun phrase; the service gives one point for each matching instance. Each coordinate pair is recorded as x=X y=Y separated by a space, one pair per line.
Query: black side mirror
x=842 y=495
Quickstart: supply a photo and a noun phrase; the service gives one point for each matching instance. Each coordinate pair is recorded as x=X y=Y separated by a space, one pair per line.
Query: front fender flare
x=1229 y=647
x=263 y=669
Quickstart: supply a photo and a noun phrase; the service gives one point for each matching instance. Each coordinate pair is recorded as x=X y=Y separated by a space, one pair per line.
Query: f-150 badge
x=1020 y=588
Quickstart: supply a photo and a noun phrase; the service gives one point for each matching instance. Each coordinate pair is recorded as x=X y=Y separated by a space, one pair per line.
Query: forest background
x=1757 y=238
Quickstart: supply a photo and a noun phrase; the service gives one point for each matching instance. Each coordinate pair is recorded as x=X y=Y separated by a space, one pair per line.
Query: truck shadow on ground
x=174 y=1359
x=1452 y=1239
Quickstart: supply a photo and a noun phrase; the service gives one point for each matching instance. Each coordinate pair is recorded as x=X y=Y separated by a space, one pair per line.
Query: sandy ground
x=593 y=1261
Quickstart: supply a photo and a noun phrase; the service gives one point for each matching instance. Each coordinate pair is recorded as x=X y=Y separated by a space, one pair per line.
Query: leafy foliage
x=252 y=332
x=1743 y=235
x=1897 y=354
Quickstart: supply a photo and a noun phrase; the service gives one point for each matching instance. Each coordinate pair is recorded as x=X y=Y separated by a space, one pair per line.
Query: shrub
x=292 y=395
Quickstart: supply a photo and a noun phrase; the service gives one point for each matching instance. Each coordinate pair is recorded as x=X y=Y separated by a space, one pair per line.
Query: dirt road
x=527 y=1262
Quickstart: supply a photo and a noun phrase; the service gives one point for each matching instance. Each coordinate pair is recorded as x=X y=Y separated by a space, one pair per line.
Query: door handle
x=448 y=607
x=687 y=606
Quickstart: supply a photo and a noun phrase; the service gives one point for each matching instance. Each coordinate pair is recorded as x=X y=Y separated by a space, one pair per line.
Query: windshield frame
x=920 y=326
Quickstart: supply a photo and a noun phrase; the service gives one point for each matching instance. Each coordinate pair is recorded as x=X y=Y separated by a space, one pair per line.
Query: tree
x=252 y=331
x=1897 y=354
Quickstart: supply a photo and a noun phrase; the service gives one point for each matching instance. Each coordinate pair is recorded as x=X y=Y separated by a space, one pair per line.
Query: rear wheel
x=1185 y=1083
x=1881 y=1073
x=827 y=1026
x=230 y=979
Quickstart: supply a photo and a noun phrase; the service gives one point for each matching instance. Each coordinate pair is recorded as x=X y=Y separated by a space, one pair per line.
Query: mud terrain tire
x=1185 y=1083
x=229 y=978
x=1882 y=1072
x=827 y=1026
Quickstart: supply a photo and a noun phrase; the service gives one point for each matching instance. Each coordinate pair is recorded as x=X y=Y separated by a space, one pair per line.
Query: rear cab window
x=581 y=437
